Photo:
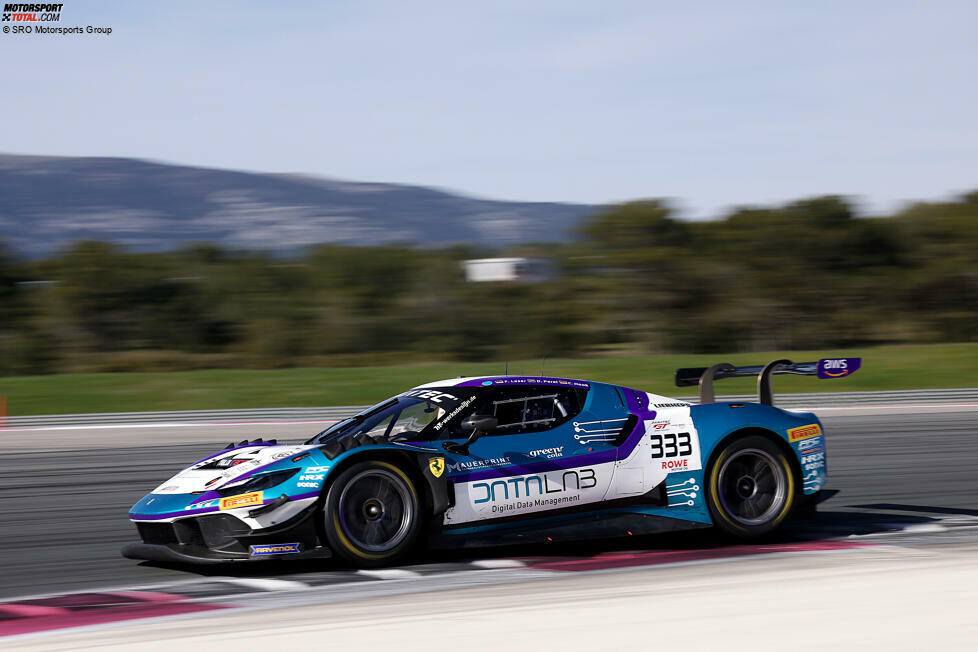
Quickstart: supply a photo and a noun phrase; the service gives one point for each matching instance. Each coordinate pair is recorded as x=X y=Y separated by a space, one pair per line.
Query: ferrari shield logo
x=437 y=466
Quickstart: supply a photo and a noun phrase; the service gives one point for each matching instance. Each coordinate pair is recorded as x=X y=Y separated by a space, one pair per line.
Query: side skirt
x=572 y=527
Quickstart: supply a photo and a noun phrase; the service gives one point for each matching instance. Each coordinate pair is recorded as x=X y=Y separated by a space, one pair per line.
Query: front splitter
x=191 y=555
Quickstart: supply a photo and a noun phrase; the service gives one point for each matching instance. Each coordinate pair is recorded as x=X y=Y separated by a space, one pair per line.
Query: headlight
x=258 y=482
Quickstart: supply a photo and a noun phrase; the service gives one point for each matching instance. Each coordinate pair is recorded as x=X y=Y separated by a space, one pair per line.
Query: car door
x=554 y=448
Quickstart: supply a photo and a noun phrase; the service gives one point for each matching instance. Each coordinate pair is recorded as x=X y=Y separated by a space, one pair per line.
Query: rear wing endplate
x=704 y=376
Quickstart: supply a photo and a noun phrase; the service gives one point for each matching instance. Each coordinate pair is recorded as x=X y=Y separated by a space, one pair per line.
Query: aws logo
x=838 y=367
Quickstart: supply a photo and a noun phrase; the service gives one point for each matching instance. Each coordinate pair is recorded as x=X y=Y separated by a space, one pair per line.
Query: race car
x=477 y=461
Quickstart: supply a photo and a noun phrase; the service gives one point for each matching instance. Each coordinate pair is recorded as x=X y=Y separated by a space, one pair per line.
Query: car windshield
x=407 y=415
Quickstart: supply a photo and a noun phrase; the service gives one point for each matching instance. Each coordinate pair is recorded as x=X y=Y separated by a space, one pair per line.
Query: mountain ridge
x=48 y=202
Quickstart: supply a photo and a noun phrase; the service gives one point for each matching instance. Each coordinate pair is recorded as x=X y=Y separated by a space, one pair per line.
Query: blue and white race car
x=498 y=460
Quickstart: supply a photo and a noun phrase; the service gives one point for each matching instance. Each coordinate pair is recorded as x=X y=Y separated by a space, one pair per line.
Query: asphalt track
x=63 y=515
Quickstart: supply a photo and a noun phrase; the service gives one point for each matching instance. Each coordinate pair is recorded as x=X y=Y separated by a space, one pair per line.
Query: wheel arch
x=771 y=436
x=432 y=491
x=403 y=463
x=719 y=514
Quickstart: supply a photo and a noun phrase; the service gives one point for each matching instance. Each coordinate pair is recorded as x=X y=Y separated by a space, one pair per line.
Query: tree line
x=809 y=274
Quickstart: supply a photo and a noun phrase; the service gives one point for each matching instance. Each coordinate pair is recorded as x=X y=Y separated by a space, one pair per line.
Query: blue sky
x=712 y=104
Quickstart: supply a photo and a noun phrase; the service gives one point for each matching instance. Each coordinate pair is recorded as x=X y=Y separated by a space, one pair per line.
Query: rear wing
x=704 y=376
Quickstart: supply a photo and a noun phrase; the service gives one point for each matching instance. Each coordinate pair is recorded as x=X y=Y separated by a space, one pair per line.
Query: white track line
x=823 y=408
x=498 y=563
x=264 y=583
x=389 y=573
x=893 y=406
x=109 y=426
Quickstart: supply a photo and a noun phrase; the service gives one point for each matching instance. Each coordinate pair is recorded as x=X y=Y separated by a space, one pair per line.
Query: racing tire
x=750 y=487
x=372 y=514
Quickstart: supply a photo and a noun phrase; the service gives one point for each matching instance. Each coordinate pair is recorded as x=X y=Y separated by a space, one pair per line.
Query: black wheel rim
x=752 y=486
x=376 y=510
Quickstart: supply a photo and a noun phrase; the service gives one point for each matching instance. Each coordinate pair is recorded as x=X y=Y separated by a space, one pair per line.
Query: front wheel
x=751 y=487
x=372 y=514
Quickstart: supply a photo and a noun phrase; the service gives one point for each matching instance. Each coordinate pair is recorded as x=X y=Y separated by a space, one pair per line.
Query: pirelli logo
x=804 y=432
x=242 y=500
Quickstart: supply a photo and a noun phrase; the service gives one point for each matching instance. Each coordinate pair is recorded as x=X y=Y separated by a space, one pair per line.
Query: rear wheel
x=751 y=487
x=372 y=515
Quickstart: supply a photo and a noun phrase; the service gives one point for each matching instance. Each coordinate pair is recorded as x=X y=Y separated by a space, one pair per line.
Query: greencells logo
x=486 y=382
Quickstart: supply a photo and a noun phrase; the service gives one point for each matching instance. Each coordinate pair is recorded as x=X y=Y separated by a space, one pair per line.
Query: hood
x=229 y=467
x=216 y=483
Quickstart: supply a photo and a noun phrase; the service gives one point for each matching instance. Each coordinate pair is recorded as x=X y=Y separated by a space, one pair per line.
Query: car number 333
x=671 y=444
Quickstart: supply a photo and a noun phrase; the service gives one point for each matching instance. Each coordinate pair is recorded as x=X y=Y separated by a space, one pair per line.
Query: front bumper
x=221 y=538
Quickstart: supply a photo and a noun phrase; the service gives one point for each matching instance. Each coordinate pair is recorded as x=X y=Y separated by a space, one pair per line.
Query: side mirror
x=479 y=424
x=404 y=435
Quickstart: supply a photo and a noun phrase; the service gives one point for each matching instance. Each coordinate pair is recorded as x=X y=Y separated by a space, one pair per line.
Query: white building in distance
x=527 y=270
